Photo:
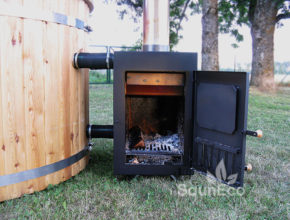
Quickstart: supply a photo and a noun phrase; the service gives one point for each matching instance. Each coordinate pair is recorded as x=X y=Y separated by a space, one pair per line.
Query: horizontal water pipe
x=93 y=60
x=100 y=131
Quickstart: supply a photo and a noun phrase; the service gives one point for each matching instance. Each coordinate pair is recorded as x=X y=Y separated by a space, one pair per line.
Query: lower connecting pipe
x=99 y=131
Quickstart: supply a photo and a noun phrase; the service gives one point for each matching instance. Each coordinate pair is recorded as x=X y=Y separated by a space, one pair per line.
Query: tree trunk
x=263 y=22
x=210 y=56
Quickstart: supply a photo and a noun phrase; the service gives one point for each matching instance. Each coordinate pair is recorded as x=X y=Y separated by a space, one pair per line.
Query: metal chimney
x=156 y=25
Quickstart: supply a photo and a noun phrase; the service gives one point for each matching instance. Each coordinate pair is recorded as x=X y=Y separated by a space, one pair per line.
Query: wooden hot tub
x=43 y=99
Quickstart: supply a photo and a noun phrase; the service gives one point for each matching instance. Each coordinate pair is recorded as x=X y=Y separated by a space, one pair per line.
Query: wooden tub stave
x=43 y=99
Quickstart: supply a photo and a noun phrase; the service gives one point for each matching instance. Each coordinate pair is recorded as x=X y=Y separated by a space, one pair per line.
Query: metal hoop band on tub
x=44 y=170
x=46 y=16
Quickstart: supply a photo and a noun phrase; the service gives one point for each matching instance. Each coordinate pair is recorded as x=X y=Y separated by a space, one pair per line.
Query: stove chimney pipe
x=156 y=25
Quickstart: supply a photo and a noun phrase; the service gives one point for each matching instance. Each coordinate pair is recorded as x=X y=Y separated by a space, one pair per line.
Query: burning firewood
x=135 y=161
x=136 y=140
x=140 y=144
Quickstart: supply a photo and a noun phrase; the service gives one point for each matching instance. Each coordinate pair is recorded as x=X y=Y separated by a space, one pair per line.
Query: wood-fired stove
x=170 y=119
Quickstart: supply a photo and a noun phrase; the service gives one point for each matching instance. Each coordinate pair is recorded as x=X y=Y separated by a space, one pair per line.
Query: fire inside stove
x=154 y=119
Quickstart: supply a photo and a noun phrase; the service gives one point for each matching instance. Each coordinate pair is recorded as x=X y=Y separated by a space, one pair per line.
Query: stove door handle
x=258 y=133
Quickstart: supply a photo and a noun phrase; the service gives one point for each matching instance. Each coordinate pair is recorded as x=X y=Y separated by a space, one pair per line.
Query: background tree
x=261 y=16
x=210 y=53
x=178 y=9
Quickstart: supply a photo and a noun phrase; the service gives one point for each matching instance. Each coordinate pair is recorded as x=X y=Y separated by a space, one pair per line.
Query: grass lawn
x=96 y=194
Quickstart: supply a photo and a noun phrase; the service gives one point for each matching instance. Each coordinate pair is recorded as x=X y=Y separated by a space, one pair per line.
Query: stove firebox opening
x=154 y=119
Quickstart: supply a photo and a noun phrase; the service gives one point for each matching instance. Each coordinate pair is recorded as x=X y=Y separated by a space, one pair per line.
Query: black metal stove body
x=150 y=62
x=214 y=116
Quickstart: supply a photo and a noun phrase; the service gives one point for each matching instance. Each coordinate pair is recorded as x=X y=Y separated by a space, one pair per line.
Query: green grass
x=99 y=77
x=96 y=194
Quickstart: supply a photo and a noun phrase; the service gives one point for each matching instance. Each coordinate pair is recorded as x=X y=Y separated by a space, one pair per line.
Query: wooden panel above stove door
x=155 y=84
x=155 y=79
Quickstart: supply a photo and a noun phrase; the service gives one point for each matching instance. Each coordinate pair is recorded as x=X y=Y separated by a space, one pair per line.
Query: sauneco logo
x=214 y=188
x=221 y=174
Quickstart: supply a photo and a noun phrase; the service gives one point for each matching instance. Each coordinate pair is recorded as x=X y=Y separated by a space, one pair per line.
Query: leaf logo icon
x=220 y=171
x=232 y=179
x=221 y=174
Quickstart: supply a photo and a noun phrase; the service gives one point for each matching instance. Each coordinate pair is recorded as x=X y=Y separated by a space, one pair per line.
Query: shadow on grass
x=101 y=158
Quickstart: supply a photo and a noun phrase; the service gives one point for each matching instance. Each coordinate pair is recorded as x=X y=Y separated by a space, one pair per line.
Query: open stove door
x=220 y=121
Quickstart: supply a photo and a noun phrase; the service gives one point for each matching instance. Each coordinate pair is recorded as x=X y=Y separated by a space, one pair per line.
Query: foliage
x=178 y=13
x=235 y=13
x=228 y=12
x=232 y=14
x=99 y=77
